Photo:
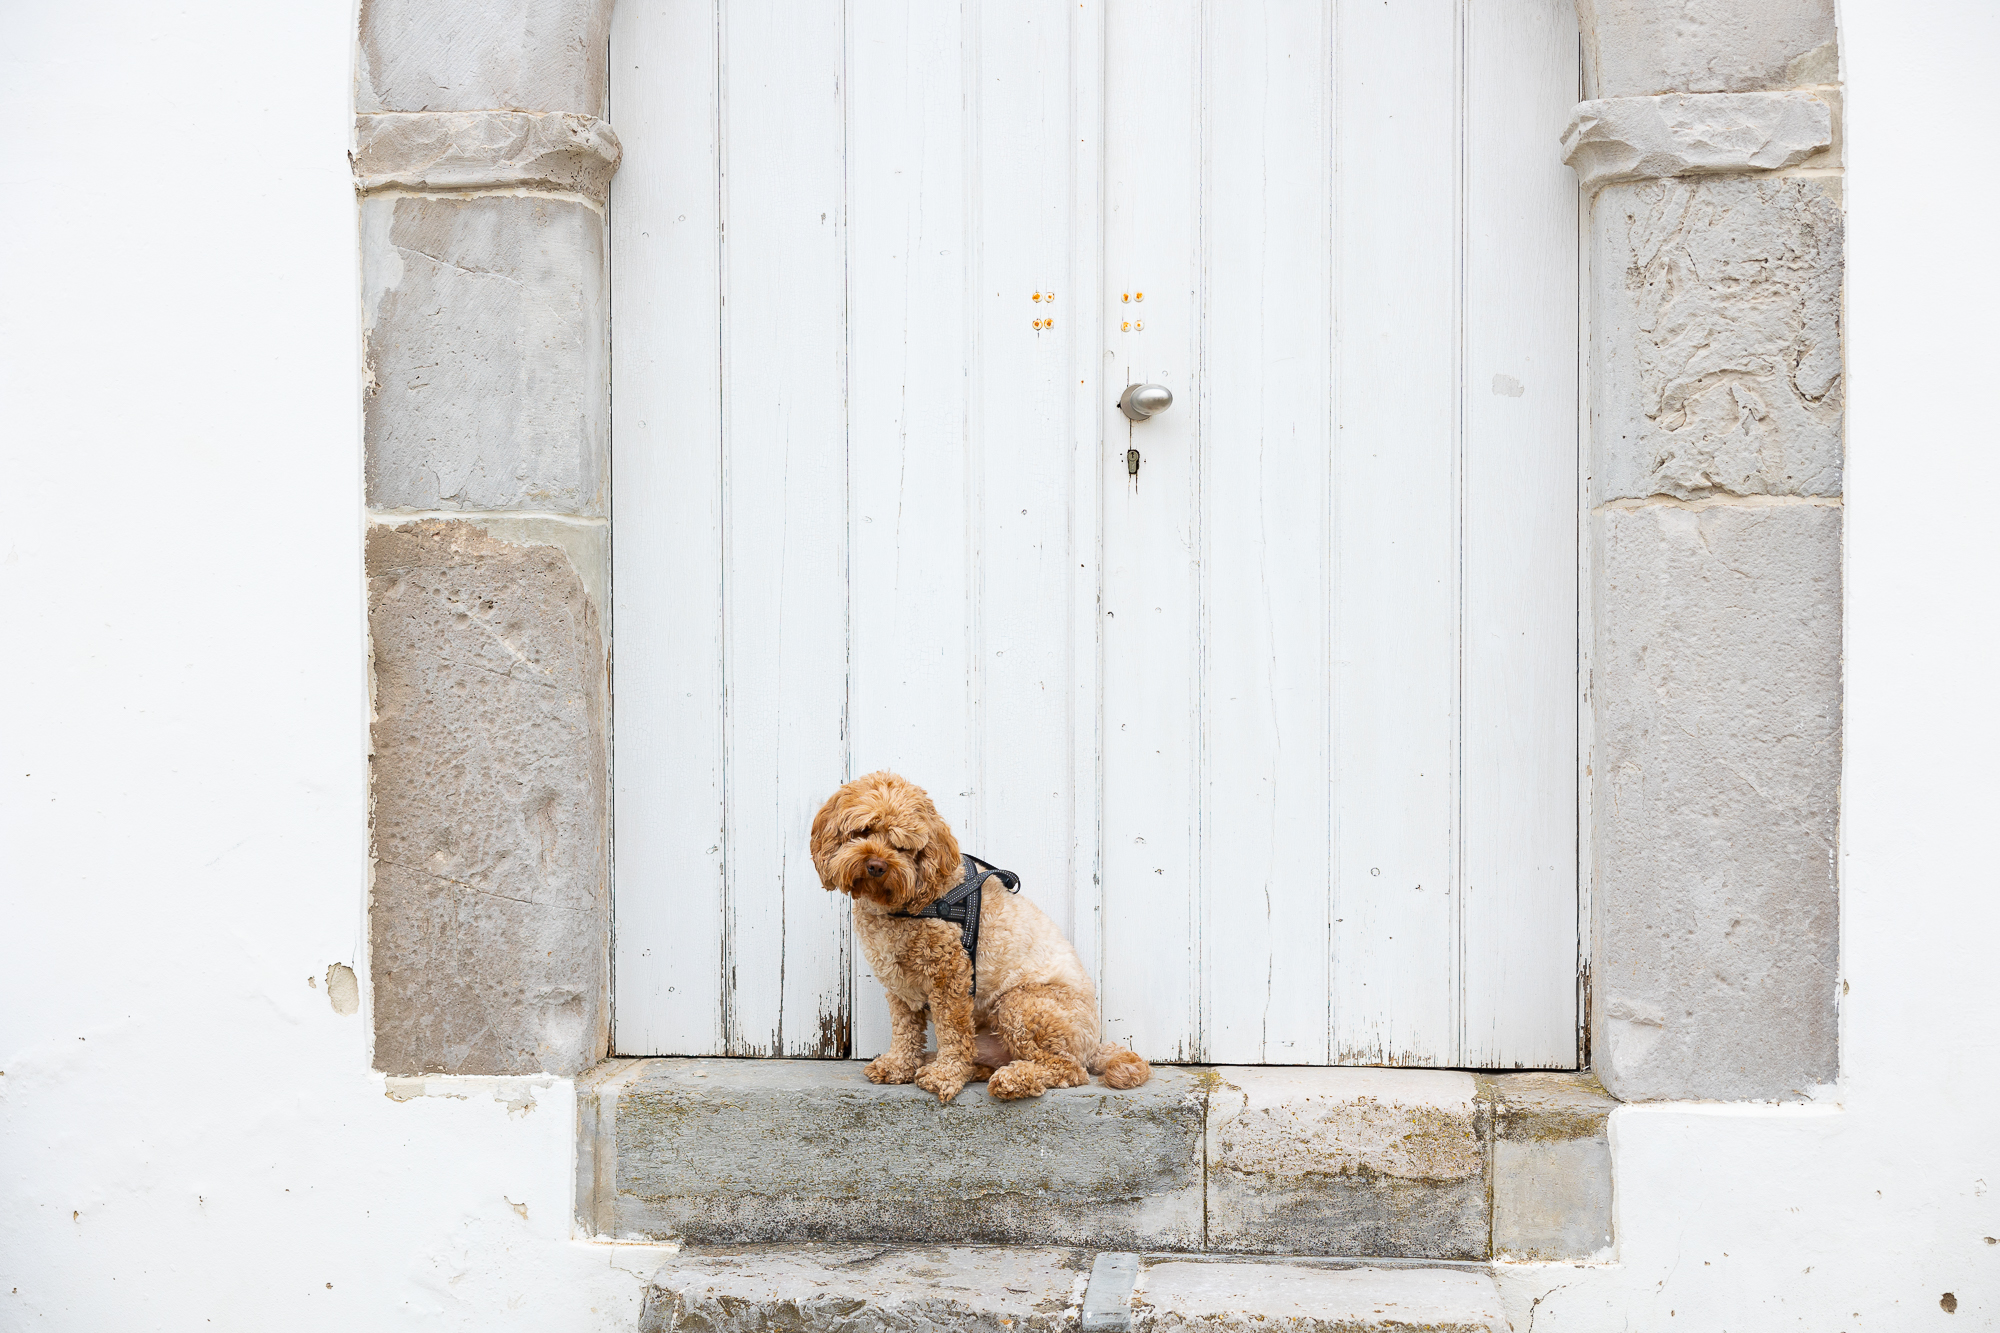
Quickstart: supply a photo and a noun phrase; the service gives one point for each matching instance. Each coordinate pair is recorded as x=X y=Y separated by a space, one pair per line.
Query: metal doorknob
x=1141 y=401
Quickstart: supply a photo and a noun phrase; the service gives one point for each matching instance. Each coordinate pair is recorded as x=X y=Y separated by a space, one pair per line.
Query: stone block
x=1716 y=315
x=1551 y=1165
x=866 y=1289
x=1346 y=1161
x=1693 y=134
x=746 y=1151
x=473 y=150
x=486 y=366
x=1220 y=1296
x=510 y=55
x=1107 y=1299
x=489 y=920
x=1634 y=48
x=1717 y=690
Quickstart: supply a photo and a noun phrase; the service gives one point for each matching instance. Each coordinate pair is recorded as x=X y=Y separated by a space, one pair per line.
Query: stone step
x=918 y=1289
x=1409 y=1164
x=1308 y=1296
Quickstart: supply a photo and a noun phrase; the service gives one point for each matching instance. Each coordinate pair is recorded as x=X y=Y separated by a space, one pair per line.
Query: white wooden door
x=1281 y=726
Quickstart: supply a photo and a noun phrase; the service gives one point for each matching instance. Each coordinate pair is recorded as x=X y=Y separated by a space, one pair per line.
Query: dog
x=1032 y=1025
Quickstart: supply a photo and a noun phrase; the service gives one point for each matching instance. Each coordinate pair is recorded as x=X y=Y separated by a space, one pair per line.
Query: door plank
x=785 y=490
x=1152 y=951
x=1520 y=870
x=1083 y=326
x=1396 y=599
x=1019 y=436
x=667 y=596
x=1265 y=427
x=909 y=344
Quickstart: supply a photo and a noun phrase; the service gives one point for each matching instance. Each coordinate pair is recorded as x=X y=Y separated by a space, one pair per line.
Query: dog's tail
x=1118 y=1067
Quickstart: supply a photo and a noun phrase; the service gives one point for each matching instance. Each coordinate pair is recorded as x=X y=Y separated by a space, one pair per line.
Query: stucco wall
x=189 y=1131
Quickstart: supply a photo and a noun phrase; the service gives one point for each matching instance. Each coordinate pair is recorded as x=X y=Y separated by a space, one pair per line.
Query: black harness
x=960 y=905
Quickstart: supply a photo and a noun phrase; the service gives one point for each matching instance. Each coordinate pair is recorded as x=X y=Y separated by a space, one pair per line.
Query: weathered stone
x=1633 y=48
x=1551 y=1165
x=1716 y=684
x=866 y=1289
x=487 y=370
x=1693 y=134
x=489 y=922
x=1544 y=1107
x=1552 y=1201
x=587 y=543
x=517 y=55
x=742 y=1151
x=1107 y=1300
x=467 y=150
x=1220 y=1296
x=1346 y=1161
x=1716 y=320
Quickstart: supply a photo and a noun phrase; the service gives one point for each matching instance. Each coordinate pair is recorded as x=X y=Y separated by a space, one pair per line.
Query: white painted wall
x=189 y=1136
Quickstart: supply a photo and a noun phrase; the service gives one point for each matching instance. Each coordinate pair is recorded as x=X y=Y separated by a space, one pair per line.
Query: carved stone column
x=483 y=166
x=1711 y=150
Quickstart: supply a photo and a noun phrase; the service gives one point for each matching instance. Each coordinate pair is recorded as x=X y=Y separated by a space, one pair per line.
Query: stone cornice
x=1694 y=134
x=478 y=150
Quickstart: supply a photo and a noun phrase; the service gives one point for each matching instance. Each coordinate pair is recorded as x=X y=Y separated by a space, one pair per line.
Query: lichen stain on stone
x=1361 y=1136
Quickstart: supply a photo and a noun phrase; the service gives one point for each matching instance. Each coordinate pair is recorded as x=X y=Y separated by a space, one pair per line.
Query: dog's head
x=880 y=840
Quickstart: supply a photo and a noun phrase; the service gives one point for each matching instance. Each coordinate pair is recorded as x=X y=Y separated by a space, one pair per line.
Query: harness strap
x=960 y=905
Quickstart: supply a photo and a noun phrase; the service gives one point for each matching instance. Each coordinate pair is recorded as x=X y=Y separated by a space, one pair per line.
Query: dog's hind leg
x=1039 y=1025
x=1118 y=1066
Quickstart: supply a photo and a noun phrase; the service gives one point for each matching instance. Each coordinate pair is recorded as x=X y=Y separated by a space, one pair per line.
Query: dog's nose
x=877 y=869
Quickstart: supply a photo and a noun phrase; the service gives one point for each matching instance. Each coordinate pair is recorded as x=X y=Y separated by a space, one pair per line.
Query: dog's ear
x=826 y=838
x=938 y=860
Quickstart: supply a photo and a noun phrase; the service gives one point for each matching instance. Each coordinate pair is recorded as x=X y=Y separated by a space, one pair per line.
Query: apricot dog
x=1033 y=1023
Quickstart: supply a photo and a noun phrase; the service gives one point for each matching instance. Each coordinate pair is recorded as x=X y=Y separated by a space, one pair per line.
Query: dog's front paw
x=944 y=1078
x=890 y=1069
x=1017 y=1080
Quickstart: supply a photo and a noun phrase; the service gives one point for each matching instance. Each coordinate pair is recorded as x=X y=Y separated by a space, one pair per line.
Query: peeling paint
x=343 y=992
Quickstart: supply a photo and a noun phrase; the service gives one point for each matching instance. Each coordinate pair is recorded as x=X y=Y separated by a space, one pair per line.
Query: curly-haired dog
x=1033 y=1023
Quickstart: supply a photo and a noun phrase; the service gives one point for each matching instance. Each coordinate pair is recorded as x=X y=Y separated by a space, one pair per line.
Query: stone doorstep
x=874 y=1289
x=1389 y=1163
